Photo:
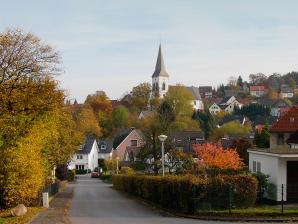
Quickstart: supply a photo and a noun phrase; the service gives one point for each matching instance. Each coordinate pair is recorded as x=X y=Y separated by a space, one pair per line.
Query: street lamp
x=117 y=159
x=162 y=138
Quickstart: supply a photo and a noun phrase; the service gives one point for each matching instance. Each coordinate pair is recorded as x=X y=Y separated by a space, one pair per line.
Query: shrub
x=81 y=171
x=71 y=175
x=181 y=192
x=127 y=170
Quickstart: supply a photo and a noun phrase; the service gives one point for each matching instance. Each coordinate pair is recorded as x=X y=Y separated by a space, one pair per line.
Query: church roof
x=160 y=69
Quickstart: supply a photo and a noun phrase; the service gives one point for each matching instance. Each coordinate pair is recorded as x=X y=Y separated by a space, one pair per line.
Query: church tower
x=160 y=77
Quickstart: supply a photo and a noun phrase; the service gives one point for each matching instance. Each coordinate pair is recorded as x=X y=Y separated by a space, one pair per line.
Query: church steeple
x=160 y=69
x=160 y=77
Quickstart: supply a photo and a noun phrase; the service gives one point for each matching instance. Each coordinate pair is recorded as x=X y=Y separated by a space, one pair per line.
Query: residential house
x=86 y=158
x=145 y=113
x=127 y=143
x=258 y=91
x=197 y=100
x=205 y=91
x=280 y=161
x=105 y=149
x=286 y=91
x=184 y=140
x=229 y=118
x=227 y=105
x=228 y=140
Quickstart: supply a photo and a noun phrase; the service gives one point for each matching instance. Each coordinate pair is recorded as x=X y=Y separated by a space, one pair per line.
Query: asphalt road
x=95 y=202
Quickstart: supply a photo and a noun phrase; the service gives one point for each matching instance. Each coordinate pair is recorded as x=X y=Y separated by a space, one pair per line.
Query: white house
x=105 y=149
x=280 y=161
x=197 y=102
x=227 y=105
x=86 y=158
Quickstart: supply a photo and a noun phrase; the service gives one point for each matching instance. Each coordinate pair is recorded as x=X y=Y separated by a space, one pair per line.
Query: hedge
x=189 y=193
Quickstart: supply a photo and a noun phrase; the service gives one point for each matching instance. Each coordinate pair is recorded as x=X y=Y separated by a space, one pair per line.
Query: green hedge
x=189 y=193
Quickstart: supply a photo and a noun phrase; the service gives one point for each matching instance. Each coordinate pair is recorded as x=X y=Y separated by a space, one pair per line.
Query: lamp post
x=117 y=169
x=162 y=138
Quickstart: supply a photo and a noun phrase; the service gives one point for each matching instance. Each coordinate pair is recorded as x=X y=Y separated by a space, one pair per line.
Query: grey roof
x=232 y=117
x=186 y=139
x=87 y=146
x=195 y=92
x=108 y=145
x=204 y=89
x=160 y=69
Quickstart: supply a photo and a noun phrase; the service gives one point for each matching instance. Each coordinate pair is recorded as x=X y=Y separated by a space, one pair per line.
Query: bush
x=71 y=175
x=127 y=170
x=81 y=171
x=181 y=192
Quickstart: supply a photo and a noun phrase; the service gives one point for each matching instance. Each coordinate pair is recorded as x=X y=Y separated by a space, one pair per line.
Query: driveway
x=95 y=202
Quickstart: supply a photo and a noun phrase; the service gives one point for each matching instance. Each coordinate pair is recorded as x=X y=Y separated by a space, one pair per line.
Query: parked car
x=94 y=175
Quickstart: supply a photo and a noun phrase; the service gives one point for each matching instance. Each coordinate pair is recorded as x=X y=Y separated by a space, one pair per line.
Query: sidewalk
x=57 y=213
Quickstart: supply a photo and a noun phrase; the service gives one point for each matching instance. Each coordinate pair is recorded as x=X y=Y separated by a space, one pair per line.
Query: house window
x=133 y=142
x=258 y=167
x=79 y=156
x=254 y=166
x=163 y=86
x=280 y=139
x=103 y=147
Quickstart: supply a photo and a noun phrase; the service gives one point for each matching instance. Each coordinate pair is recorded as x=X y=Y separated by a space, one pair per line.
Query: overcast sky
x=112 y=45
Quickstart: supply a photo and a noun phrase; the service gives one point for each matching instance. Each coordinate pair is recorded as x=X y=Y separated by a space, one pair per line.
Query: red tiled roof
x=257 y=88
x=288 y=122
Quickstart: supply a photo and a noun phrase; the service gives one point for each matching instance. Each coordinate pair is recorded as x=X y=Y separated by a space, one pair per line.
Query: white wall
x=275 y=167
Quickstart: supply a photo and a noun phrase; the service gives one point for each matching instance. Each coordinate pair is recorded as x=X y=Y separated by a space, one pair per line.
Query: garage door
x=292 y=181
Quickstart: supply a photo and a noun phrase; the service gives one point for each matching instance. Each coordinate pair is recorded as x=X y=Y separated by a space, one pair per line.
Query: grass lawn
x=6 y=218
x=259 y=211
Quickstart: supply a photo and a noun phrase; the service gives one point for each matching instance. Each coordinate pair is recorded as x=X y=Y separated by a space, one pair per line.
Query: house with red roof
x=257 y=91
x=280 y=160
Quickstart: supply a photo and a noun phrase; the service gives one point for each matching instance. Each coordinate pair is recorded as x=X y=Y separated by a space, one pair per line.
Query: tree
x=206 y=121
x=241 y=146
x=262 y=138
x=140 y=96
x=214 y=156
x=88 y=123
x=27 y=67
x=240 y=81
x=233 y=127
x=273 y=94
x=120 y=117
x=180 y=98
x=257 y=79
x=179 y=162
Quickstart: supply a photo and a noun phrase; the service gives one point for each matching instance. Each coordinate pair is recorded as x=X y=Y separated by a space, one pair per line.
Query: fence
x=274 y=200
x=52 y=189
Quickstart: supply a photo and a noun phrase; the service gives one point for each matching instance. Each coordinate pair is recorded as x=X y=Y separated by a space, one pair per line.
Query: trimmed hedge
x=188 y=193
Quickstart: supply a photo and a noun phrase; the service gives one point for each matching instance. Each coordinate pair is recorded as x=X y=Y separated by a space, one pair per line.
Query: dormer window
x=103 y=147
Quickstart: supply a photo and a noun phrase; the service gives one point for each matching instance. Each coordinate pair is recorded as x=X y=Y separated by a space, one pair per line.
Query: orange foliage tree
x=214 y=156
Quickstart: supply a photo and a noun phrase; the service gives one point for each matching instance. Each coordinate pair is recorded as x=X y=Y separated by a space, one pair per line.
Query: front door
x=292 y=181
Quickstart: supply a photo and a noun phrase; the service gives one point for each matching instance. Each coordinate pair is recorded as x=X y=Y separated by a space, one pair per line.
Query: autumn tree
x=214 y=156
x=140 y=96
x=102 y=109
x=27 y=67
x=233 y=127
x=36 y=133
x=241 y=146
x=120 y=117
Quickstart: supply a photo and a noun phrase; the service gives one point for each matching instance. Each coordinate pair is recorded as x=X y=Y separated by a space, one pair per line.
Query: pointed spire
x=160 y=69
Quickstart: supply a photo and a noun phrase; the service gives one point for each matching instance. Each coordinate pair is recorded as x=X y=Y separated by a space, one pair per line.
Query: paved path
x=95 y=202
x=57 y=213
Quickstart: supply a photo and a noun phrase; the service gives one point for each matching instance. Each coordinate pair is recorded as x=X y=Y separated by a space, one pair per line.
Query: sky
x=112 y=45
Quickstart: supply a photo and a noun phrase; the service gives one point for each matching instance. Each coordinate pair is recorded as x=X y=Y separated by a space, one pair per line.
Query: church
x=160 y=83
